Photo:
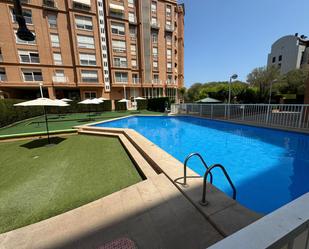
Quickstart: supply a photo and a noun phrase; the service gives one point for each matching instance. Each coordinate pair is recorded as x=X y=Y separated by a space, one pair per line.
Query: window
x=280 y=57
x=28 y=57
x=134 y=63
x=3 y=74
x=154 y=37
x=155 y=52
x=121 y=77
x=59 y=77
x=168 y=24
x=27 y=14
x=83 y=22
x=84 y=41
x=131 y=3
x=154 y=21
x=90 y=95
x=133 y=33
x=119 y=46
x=1 y=57
x=89 y=76
x=169 y=54
x=131 y=17
x=52 y=20
x=135 y=78
x=120 y=62
x=155 y=65
x=274 y=59
x=169 y=40
x=168 y=10
x=87 y=59
x=133 y=49
x=55 y=40
x=57 y=58
x=155 y=79
x=32 y=75
x=19 y=41
x=153 y=7
x=169 y=66
x=118 y=28
x=169 y=79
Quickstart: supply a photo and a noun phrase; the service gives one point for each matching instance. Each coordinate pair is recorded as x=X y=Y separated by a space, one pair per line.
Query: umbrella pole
x=46 y=122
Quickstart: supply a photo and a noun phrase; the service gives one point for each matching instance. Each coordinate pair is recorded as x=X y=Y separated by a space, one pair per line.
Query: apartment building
x=93 y=48
x=289 y=52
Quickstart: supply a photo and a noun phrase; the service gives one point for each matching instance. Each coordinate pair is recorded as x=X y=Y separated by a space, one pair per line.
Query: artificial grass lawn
x=64 y=122
x=38 y=182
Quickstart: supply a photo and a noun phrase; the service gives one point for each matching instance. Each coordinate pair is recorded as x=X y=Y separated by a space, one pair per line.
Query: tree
x=262 y=77
x=182 y=92
x=194 y=91
x=293 y=82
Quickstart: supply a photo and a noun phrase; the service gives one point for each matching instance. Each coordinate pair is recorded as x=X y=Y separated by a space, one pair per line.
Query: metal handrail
x=185 y=166
x=203 y=202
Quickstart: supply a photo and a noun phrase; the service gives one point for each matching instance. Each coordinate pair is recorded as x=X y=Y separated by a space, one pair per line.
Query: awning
x=86 y=2
x=116 y=7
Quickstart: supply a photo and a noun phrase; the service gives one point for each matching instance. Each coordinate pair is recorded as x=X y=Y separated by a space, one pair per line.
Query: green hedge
x=158 y=104
x=10 y=114
x=119 y=106
x=142 y=104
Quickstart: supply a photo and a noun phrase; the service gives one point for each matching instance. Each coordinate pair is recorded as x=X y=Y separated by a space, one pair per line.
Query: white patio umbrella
x=123 y=101
x=66 y=100
x=101 y=98
x=90 y=102
x=139 y=98
x=43 y=102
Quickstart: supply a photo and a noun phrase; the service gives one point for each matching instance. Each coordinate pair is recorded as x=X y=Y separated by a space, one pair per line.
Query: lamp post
x=270 y=90
x=233 y=77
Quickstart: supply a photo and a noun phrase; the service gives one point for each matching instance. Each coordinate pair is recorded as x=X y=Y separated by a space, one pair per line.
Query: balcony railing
x=120 y=64
x=155 y=25
x=60 y=79
x=136 y=80
x=156 y=81
x=119 y=50
x=80 y=6
x=121 y=80
x=169 y=27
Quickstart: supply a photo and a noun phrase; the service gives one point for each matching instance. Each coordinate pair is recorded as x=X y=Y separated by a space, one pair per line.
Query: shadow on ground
x=34 y=144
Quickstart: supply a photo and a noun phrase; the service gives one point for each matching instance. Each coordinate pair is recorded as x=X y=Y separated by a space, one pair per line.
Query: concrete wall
x=291 y=51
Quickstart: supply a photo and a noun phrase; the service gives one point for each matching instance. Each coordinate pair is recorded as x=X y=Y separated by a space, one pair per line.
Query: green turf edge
x=29 y=134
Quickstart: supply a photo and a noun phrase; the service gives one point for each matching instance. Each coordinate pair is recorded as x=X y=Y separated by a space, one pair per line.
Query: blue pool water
x=268 y=167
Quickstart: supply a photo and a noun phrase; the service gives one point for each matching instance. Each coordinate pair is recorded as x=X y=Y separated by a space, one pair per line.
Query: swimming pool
x=268 y=167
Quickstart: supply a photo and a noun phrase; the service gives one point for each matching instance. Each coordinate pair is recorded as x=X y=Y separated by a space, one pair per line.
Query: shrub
x=142 y=104
x=10 y=113
x=158 y=104
x=119 y=106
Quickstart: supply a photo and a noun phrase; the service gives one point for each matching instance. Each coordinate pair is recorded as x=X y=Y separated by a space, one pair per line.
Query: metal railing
x=275 y=115
x=204 y=202
x=186 y=163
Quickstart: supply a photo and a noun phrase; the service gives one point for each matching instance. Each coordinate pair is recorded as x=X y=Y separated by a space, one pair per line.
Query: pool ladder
x=204 y=202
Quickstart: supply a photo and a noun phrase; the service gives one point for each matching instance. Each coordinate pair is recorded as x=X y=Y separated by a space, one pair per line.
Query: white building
x=289 y=52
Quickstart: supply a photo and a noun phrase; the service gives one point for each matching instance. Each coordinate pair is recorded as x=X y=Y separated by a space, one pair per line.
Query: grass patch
x=38 y=182
x=67 y=121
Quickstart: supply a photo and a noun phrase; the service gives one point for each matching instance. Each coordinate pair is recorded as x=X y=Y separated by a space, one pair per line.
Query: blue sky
x=223 y=37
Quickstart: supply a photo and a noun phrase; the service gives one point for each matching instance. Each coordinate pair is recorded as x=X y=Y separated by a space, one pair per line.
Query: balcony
x=121 y=80
x=60 y=79
x=116 y=10
x=169 y=28
x=155 y=25
x=135 y=80
x=156 y=81
x=49 y=4
x=120 y=64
